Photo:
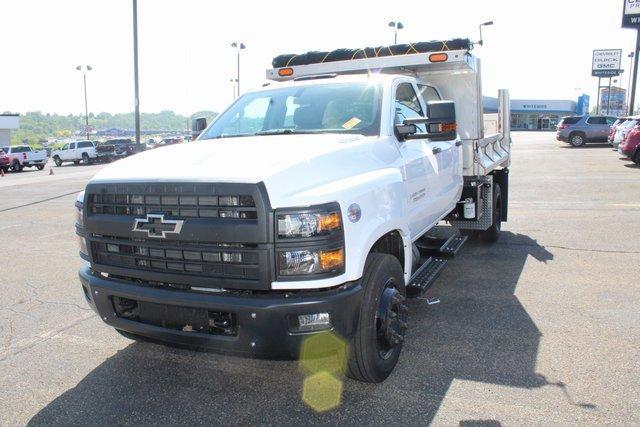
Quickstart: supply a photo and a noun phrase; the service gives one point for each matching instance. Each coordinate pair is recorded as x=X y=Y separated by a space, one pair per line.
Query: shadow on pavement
x=587 y=145
x=479 y=332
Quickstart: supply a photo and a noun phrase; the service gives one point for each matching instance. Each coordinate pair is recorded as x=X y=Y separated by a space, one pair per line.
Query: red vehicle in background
x=630 y=145
x=5 y=161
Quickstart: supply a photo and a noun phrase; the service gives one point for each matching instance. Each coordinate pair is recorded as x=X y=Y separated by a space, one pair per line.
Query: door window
x=72 y=146
x=429 y=93
x=599 y=120
x=407 y=105
x=85 y=144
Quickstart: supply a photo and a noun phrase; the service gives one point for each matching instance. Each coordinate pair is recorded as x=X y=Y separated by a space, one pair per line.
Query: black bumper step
x=425 y=276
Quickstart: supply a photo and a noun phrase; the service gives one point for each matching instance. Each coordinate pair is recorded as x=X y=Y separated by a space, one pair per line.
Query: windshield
x=327 y=108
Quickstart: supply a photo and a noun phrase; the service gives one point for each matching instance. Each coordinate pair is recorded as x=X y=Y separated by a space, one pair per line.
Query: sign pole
x=598 y=102
x=632 y=99
x=609 y=98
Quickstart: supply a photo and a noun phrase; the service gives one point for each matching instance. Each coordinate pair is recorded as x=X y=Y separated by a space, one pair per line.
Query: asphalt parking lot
x=541 y=328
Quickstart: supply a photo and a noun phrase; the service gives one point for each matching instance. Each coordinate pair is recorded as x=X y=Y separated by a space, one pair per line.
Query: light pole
x=233 y=86
x=136 y=95
x=396 y=27
x=631 y=70
x=85 y=69
x=239 y=46
x=484 y=24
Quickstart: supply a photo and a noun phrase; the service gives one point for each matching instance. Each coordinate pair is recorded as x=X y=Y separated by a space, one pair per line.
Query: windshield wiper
x=286 y=132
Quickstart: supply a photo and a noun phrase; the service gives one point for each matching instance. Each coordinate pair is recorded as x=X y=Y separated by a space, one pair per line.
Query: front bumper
x=262 y=320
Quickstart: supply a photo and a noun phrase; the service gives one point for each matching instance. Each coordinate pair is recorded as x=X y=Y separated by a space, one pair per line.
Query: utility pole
x=135 y=73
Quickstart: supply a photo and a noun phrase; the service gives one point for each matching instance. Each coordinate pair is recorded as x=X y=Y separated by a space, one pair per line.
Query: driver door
x=419 y=163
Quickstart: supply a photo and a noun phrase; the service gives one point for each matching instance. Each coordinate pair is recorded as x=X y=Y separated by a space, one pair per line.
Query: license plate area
x=186 y=319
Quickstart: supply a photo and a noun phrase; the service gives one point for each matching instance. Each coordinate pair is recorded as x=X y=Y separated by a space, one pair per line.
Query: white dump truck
x=316 y=203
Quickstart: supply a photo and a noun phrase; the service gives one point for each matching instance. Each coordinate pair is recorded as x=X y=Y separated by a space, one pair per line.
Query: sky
x=537 y=49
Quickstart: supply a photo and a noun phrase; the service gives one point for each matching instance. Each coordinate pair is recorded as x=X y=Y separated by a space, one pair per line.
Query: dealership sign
x=631 y=14
x=606 y=62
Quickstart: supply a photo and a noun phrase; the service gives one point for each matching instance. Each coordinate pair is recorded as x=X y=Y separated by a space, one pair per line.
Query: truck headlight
x=82 y=241
x=308 y=224
x=305 y=261
x=79 y=216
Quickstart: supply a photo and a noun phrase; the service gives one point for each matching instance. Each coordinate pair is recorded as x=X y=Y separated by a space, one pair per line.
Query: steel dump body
x=458 y=78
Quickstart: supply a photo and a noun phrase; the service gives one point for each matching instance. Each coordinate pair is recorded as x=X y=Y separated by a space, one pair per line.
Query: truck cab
x=307 y=207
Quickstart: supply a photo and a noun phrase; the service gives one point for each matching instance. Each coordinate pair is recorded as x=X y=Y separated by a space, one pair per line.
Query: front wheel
x=636 y=158
x=58 y=161
x=40 y=167
x=382 y=322
x=16 y=167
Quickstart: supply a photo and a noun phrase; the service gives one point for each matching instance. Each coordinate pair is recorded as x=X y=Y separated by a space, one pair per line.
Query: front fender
x=381 y=197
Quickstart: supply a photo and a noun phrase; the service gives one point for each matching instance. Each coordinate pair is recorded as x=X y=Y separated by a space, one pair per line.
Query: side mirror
x=440 y=121
x=403 y=131
x=197 y=126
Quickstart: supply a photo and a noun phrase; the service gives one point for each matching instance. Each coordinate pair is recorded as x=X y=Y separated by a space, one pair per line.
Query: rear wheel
x=58 y=161
x=577 y=139
x=85 y=159
x=492 y=234
x=382 y=322
x=636 y=157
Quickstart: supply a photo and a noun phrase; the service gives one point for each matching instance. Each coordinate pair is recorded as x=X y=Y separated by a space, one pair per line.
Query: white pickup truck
x=83 y=151
x=23 y=156
x=314 y=204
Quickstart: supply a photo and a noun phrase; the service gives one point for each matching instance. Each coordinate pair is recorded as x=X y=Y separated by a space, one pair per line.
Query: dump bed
x=456 y=73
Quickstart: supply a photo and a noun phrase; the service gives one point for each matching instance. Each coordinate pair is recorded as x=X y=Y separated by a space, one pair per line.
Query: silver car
x=578 y=130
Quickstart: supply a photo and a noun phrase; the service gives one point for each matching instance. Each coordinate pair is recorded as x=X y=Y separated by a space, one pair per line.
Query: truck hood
x=285 y=163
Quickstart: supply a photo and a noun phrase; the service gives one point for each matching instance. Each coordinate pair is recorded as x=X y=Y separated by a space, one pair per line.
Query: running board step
x=425 y=276
x=445 y=248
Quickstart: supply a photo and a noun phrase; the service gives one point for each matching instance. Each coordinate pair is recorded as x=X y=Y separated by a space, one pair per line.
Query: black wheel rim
x=391 y=320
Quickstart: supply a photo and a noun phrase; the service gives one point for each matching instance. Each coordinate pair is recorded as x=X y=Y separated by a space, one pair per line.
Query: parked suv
x=578 y=130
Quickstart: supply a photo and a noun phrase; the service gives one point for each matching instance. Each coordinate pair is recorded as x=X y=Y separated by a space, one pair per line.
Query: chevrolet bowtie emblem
x=156 y=226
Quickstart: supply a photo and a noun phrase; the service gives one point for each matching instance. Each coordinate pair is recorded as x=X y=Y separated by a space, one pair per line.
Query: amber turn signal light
x=285 y=72
x=438 y=57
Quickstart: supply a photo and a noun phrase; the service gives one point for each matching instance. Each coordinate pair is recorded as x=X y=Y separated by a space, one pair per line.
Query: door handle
x=458 y=143
x=436 y=150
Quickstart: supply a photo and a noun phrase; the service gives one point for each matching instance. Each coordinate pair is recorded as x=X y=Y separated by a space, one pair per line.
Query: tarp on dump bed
x=315 y=57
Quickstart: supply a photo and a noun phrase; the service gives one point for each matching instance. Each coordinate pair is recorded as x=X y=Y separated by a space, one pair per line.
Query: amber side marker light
x=284 y=72
x=438 y=57
x=448 y=127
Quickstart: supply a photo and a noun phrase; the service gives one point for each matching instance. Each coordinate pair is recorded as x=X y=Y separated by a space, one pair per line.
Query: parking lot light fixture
x=85 y=69
x=396 y=26
x=484 y=24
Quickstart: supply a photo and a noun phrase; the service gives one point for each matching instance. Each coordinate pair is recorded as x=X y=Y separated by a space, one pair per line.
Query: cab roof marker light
x=438 y=57
x=285 y=72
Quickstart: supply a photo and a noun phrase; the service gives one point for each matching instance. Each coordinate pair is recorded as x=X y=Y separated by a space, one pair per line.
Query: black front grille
x=215 y=261
x=224 y=241
x=184 y=206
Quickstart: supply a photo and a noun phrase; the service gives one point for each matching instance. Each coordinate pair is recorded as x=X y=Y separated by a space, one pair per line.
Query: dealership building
x=8 y=122
x=537 y=114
